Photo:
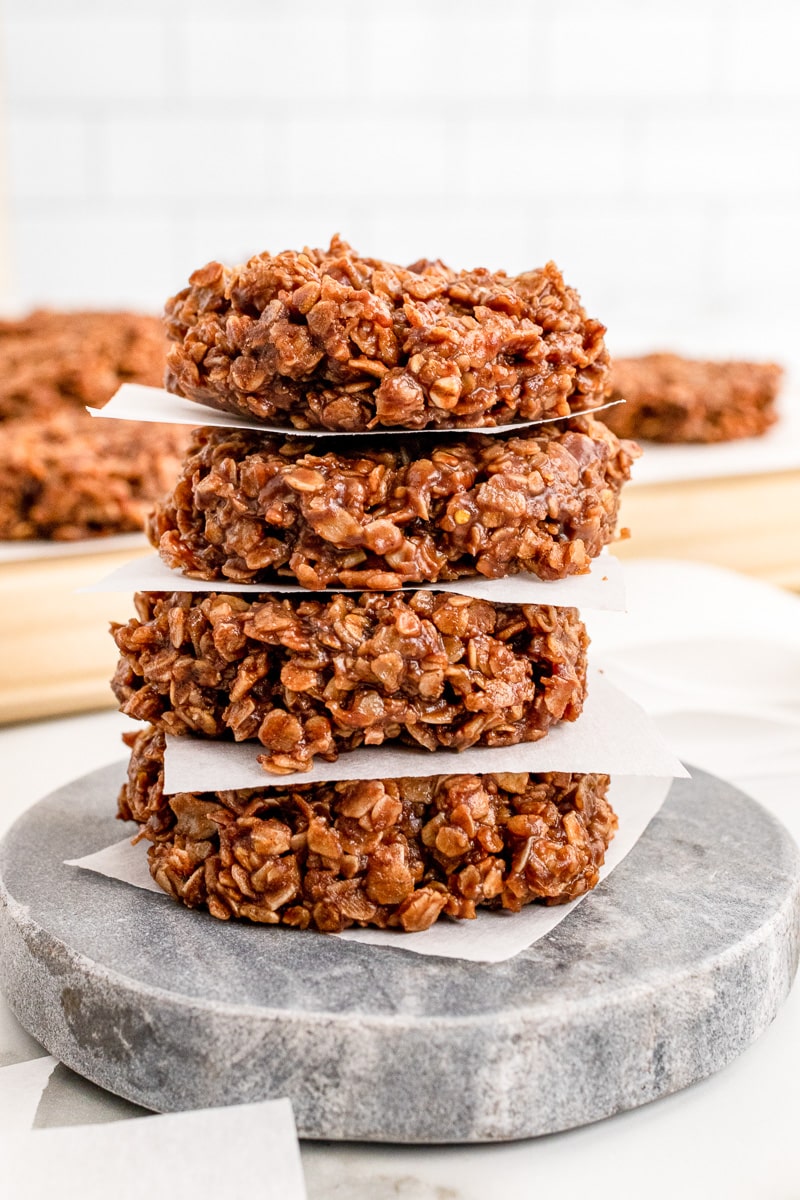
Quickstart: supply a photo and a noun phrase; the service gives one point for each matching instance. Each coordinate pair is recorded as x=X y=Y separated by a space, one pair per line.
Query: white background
x=652 y=150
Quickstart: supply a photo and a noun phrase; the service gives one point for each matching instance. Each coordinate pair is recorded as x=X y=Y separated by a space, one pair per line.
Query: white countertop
x=733 y=1135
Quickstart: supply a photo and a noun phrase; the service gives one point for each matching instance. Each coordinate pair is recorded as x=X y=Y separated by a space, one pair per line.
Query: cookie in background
x=669 y=398
x=65 y=477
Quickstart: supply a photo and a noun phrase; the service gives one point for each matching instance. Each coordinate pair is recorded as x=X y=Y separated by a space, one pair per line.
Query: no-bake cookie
x=63 y=475
x=674 y=399
x=324 y=339
x=313 y=677
x=51 y=359
x=397 y=853
x=256 y=508
x=67 y=476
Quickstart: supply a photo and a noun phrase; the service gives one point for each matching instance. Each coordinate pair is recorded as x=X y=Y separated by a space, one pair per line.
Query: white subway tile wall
x=652 y=150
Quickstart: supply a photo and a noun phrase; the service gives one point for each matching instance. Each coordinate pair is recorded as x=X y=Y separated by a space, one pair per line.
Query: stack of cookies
x=422 y=429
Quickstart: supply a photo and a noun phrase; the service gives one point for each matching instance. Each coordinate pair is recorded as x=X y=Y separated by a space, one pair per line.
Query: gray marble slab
x=676 y=963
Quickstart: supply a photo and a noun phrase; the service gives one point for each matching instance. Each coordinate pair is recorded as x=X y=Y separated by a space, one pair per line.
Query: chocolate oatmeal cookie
x=49 y=360
x=674 y=399
x=63 y=476
x=66 y=476
x=324 y=339
x=394 y=853
x=313 y=677
x=255 y=508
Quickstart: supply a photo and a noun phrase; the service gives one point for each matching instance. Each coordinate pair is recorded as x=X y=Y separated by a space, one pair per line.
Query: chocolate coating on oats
x=327 y=340
x=395 y=853
x=254 y=508
x=674 y=399
x=316 y=677
x=66 y=476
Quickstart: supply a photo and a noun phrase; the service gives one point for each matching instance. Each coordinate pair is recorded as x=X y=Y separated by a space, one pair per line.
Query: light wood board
x=749 y=523
x=57 y=655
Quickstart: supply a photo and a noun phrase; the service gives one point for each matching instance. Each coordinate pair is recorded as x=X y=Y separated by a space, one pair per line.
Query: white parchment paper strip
x=243 y=1150
x=21 y=1088
x=122 y=861
x=613 y=735
x=135 y=402
x=602 y=587
x=492 y=936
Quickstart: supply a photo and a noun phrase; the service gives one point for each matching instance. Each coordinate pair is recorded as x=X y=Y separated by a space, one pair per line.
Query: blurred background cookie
x=673 y=399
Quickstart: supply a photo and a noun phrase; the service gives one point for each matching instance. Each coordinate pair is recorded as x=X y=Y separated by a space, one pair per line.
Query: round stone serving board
x=675 y=964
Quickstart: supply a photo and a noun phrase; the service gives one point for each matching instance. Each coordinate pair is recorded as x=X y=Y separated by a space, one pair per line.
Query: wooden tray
x=749 y=523
x=57 y=655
